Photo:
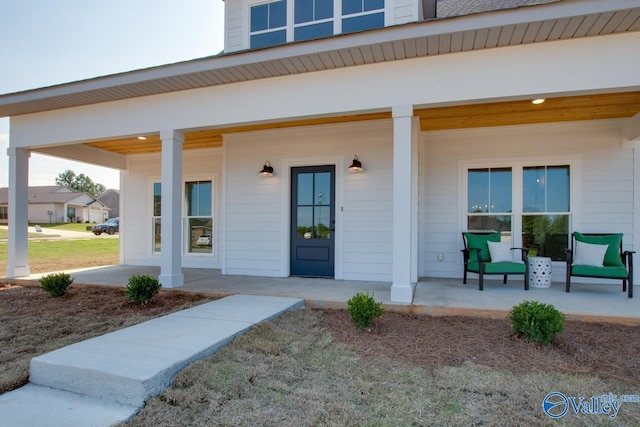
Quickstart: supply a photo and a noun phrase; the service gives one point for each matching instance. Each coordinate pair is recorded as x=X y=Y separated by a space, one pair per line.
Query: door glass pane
x=323 y=188
x=305 y=222
x=305 y=189
x=321 y=222
x=558 y=189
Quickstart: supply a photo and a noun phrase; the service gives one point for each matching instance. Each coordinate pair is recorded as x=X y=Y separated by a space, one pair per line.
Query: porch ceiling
x=587 y=107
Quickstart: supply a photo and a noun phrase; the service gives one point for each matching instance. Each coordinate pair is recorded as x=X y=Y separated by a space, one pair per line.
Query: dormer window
x=360 y=15
x=278 y=22
x=268 y=24
x=312 y=19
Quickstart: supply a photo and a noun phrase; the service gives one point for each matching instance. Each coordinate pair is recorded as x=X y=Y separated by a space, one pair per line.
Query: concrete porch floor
x=433 y=296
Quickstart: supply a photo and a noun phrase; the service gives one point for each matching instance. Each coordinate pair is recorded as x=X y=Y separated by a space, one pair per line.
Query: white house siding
x=234 y=26
x=137 y=184
x=603 y=175
x=402 y=11
x=38 y=213
x=257 y=207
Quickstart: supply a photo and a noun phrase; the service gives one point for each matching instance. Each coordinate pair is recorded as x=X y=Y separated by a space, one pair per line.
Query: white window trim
x=337 y=19
x=215 y=250
x=214 y=244
x=517 y=165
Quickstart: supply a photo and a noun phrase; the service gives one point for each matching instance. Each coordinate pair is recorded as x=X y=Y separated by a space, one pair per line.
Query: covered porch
x=433 y=296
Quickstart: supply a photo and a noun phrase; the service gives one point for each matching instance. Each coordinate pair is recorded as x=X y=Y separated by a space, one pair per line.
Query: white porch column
x=171 y=215
x=632 y=134
x=405 y=203
x=18 y=210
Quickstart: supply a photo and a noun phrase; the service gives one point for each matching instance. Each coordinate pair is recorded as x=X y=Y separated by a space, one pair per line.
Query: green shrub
x=141 y=288
x=56 y=284
x=363 y=309
x=536 y=321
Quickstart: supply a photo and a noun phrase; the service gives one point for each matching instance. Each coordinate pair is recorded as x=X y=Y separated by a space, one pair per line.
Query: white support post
x=18 y=210
x=404 y=204
x=171 y=246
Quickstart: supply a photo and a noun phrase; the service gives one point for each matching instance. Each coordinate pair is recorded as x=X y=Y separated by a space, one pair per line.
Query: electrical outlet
x=440 y=256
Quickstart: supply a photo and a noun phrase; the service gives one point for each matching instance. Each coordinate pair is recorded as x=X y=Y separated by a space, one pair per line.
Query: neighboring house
x=436 y=107
x=111 y=199
x=57 y=204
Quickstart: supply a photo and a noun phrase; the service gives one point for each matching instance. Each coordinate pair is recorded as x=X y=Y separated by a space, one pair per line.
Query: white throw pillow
x=500 y=251
x=589 y=254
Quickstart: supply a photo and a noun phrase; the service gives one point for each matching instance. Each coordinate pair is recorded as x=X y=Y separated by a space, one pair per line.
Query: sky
x=48 y=42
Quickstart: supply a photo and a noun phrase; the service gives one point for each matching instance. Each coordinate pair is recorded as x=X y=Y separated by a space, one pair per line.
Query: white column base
x=171 y=280
x=18 y=271
x=403 y=293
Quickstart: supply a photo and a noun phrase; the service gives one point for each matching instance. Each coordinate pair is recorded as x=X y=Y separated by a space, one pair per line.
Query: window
x=545 y=209
x=542 y=222
x=71 y=213
x=4 y=214
x=489 y=200
x=156 y=216
x=359 y=15
x=198 y=208
x=312 y=19
x=268 y=24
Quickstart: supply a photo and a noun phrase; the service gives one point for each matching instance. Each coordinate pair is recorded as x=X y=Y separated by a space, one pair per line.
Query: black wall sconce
x=356 y=166
x=267 y=169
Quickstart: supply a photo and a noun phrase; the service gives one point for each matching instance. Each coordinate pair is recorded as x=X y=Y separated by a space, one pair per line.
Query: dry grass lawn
x=309 y=368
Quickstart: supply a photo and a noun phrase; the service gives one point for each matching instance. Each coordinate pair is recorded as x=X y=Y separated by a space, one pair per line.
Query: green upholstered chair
x=477 y=258
x=600 y=256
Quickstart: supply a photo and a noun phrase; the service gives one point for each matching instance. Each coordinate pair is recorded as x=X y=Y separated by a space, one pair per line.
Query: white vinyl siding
x=257 y=233
x=601 y=165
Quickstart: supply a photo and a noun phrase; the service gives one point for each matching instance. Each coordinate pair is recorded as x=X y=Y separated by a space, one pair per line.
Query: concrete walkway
x=107 y=379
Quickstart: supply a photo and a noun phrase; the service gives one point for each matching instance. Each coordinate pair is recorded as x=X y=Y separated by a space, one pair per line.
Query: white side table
x=540 y=272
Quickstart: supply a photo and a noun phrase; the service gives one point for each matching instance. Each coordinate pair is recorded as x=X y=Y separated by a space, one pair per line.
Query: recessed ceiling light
x=537 y=101
x=142 y=138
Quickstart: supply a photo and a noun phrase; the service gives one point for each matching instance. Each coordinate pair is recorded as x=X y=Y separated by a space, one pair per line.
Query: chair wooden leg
x=481 y=281
x=464 y=276
x=568 y=285
x=504 y=280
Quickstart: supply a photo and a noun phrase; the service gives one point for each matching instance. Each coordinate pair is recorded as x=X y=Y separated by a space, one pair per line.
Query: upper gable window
x=360 y=15
x=312 y=19
x=268 y=24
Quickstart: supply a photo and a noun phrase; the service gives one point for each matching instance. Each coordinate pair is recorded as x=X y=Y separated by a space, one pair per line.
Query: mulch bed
x=607 y=350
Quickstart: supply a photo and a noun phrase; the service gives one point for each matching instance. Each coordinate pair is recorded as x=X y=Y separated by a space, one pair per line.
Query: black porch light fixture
x=267 y=169
x=356 y=166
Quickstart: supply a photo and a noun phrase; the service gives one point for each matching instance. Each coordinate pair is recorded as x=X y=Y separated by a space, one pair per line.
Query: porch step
x=126 y=367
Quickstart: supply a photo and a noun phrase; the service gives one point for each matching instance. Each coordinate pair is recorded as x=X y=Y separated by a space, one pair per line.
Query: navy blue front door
x=312 y=221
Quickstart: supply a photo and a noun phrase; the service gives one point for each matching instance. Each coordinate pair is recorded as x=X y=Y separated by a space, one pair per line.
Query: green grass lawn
x=58 y=255
x=68 y=226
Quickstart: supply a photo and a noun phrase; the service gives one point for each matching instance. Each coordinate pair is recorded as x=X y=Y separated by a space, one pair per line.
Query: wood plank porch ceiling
x=587 y=107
